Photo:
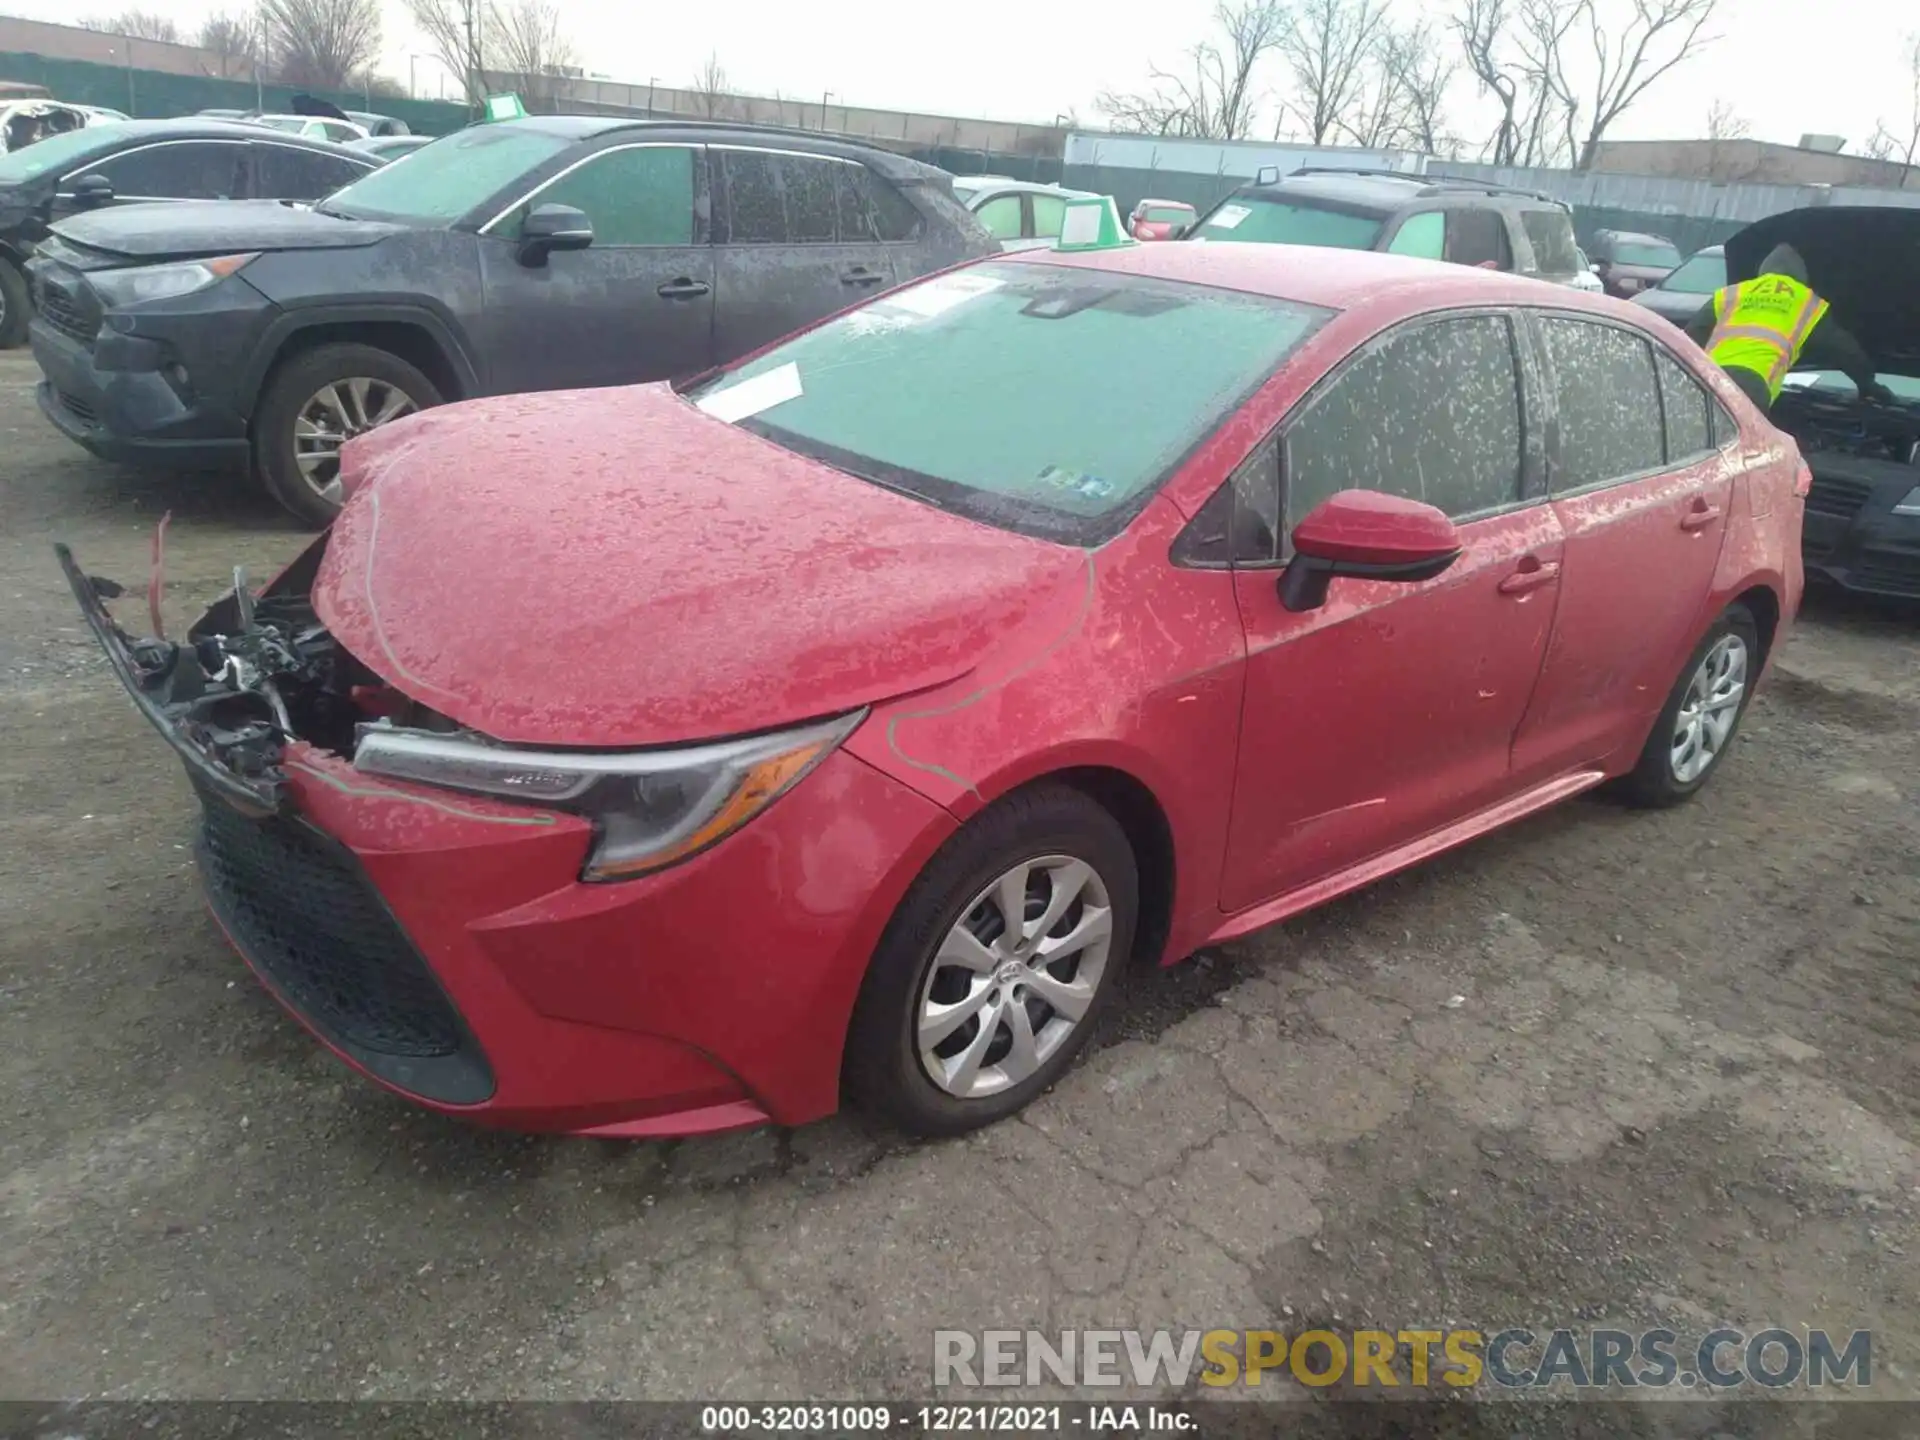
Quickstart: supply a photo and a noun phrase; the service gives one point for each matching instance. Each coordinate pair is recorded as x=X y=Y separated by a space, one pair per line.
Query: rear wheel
x=998 y=966
x=1702 y=714
x=15 y=308
x=317 y=402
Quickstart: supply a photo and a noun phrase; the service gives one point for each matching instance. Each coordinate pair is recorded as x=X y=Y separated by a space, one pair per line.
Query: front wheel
x=998 y=966
x=317 y=402
x=15 y=308
x=1697 y=725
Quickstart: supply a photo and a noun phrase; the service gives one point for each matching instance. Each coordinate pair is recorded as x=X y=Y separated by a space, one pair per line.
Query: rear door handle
x=1530 y=577
x=1700 y=516
x=683 y=289
x=860 y=275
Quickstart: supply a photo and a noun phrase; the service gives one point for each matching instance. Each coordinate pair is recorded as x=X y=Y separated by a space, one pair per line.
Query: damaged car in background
x=663 y=759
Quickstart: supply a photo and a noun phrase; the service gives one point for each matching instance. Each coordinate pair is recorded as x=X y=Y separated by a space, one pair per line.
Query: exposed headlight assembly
x=140 y=283
x=650 y=808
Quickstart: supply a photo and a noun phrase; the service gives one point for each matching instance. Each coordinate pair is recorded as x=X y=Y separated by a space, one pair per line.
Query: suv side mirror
x=548 y=228
x=1267 y=175
x=1367 y=535
x=92 y=190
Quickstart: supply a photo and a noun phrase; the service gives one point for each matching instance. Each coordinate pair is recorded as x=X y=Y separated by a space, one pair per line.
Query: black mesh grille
x=60 y=310
x=1890 y=572
x=76 y=406
x=1836 y=497
x=307 y=917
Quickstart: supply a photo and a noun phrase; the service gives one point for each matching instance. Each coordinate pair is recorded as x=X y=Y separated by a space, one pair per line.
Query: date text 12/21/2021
x=845 y=1419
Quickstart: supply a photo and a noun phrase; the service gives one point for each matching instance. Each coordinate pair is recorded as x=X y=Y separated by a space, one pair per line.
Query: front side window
x=185 y=171
x=451 y=177
x=1431 y=414
x=1045 y=424
x=1283 y=222
x=1701 y=275
x=1001 y=216
x=1424 y=236
x=1609 y=408
x=642 y=195
x=1478 y=237
x=1550 y=233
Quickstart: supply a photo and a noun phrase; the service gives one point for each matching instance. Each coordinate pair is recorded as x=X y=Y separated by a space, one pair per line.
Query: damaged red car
x=652 y=761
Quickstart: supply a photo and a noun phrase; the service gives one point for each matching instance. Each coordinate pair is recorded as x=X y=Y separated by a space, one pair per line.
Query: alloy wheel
x=1014 y=977
x=1709 y=709
x=333 y=415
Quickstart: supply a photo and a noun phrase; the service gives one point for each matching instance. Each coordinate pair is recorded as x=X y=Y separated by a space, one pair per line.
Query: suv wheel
x=315 y=404
x=15 y=308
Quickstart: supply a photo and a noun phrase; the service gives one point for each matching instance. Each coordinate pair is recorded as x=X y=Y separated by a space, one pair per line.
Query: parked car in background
x=1464 y=221
x=1020 y=214
x=644 y=762
x=378 y=126
x=27 y=122
x=1863 y=514
x=314 y=127
x=391 y=147
x=1680 y=295
x=537 y=254
x=1628 y=262
x=1159 y=219
x=1584 y=278
x=98 y=168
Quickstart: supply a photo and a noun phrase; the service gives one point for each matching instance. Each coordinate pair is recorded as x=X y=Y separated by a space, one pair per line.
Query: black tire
x=15 y=306
x=1653 y=782
x=883 y=1071
x=289 y=389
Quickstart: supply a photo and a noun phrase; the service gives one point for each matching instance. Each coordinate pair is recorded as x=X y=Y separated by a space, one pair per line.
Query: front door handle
x=1531 y=575
x=1700 y=516
x=860 y=275
x=684 y=289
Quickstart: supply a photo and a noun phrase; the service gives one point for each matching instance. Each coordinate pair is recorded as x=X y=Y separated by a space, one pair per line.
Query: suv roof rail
x=1358 y=170
x=1441 y=184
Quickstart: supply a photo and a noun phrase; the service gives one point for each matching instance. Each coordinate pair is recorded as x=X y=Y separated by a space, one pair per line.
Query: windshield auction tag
x=750 y=397
x=936 y=297
x=1228 y=218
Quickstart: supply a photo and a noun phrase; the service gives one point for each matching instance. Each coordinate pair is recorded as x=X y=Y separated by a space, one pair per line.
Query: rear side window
x=1432 y=414
x=1424 y=236
x=751 y=211
x=1688 y=410
x=1609 y=406
x=1550 y=233
x=191 y=170
x=1049 y=214
x=284 y=173
x=1001 y=216
x=1478 y=237
x=809 y=187
x=640 y=195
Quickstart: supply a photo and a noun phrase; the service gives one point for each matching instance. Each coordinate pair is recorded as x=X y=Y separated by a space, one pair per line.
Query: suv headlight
x=650 y=808
x=164 y=282
x=1911 y=504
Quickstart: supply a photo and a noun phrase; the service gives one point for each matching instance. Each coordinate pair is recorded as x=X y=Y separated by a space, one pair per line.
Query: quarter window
x=1432 y=414
x=1550 y=233
x=870 y=208
x=1686 y=406
x=641 y=195
x=1608 y=403
x=178 y=172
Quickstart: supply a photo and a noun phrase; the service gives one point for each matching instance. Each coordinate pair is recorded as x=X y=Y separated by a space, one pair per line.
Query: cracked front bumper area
x=445 y=945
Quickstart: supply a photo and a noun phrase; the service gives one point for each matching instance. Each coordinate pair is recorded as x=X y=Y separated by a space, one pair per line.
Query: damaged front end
x=27 y=121
x=254 y=674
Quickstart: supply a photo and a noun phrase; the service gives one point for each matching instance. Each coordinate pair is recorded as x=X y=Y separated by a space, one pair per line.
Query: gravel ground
x=1604 y=1066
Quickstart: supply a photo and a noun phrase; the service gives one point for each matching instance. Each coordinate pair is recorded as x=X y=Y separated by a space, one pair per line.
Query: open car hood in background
x=1862 y=260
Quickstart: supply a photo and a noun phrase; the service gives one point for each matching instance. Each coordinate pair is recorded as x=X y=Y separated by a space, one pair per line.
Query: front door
x=1391 y=710
x=787 y=251
x=635 y=306
x=1643 y=500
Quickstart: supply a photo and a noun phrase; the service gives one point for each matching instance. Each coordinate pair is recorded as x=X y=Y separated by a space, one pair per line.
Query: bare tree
x=1902 y=142
x=1631 y=56
x=321 y=43
x=456 y=33
x=232 y=43
x=1426 y=75
x=1484 y=29
x=1215 y=98
x=1329 y=46
x=1553 y=107
x=1724 y=123
x=710 y=86
x=140 y=24
x=1399 y=95
x=532 y=49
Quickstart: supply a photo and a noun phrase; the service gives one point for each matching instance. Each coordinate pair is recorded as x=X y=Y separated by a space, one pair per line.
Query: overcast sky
x=1830 y=66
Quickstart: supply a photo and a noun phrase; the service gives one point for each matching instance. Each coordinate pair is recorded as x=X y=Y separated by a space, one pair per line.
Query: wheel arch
x=411 y=333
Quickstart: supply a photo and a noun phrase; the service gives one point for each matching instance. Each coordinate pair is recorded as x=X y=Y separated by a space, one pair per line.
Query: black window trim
x=1533 y=450
x=245 y=145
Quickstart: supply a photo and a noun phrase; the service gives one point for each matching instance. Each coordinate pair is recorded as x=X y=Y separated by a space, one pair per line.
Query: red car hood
x=615 y=568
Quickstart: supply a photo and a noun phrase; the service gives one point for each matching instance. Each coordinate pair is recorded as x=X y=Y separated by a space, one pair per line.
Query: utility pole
x=825 y=95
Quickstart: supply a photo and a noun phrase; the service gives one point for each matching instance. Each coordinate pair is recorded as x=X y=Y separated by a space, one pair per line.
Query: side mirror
x=548 y=228
x=1267 y=175
x=92 y=190
x=1365 y=535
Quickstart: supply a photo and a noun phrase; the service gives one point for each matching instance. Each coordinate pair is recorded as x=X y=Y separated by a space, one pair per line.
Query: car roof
x=807 y=142
x=200 y=127
x=1386 y=191
x=1030 y=187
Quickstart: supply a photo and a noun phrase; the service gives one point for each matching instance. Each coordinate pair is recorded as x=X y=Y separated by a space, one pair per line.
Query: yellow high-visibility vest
x=1762 y=325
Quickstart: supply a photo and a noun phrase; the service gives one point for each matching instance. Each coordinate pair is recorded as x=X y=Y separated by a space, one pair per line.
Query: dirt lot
x=1682 y=1084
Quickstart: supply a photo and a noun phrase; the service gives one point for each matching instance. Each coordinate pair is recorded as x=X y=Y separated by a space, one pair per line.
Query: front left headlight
x=140 y=283
x=1911 y=504
x=650 y=808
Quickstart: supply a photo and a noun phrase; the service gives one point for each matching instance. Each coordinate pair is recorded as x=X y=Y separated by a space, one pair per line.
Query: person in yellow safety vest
x=1763 y=328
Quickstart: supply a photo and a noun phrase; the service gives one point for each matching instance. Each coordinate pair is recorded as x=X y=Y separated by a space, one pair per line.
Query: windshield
x=1701 y=275
x=1654 y=255
x=1014 y=393
x=1167 y=214
x=445 y=180
x=56 y=153
x=1277 y=222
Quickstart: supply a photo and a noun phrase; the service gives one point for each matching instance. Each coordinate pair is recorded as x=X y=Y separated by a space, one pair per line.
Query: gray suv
x=1469 y=222
x=539 y=254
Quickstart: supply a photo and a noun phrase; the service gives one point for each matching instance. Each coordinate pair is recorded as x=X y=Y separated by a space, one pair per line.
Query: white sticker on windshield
x=936 y=297
x=1228 y=217
x=750 y=397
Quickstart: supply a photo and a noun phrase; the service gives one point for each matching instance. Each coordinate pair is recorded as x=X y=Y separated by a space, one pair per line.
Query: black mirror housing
x=93 y=190
x=1304 y=583
x=549 y=228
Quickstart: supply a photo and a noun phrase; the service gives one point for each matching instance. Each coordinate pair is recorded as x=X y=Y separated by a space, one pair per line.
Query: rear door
x=1642 y=492
x=167 y=170
x=1391 y=710
x=635 y=306
x=781 y=256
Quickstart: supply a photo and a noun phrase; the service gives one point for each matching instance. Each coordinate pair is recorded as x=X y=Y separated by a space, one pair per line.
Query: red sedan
x=654 y=761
